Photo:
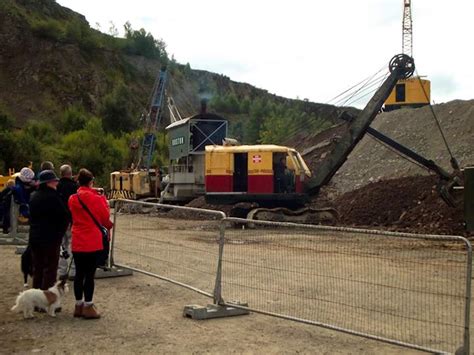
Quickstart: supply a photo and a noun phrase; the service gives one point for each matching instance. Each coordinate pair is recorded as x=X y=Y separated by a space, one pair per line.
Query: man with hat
x=49 y=219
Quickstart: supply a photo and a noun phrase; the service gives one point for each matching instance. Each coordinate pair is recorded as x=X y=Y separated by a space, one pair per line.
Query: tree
x=74 y=118
x=8 y=144
x=95 y=150
x=143 y=43
x=274 y=129
x=116 y=111
x=257 y=112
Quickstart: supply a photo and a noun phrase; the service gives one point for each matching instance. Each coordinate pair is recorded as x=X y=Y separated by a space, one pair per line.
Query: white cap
x=26 y=175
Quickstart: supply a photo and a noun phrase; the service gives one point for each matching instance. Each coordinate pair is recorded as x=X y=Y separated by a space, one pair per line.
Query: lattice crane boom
x=152 y=121
x=407 y=29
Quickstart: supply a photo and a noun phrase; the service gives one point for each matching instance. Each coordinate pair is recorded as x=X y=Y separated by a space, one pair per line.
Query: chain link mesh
x=402 y=288
x=176 y=243
x=406 y=289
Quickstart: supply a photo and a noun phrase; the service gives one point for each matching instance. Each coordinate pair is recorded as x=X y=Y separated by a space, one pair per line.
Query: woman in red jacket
x=87 y=241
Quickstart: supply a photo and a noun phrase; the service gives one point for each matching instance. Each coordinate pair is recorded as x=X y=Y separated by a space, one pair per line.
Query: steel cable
x=453 y=159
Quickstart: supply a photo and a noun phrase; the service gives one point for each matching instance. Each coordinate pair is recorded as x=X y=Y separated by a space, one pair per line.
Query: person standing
x=49 y=219
x=25 y=184
x=5 y=201
x=66 y=188
x=46 y=165
x=87 y=244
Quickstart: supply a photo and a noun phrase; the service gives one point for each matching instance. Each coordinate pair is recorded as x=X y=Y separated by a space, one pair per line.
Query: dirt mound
x=416 y=129
x=315 y=147
x=408 y=204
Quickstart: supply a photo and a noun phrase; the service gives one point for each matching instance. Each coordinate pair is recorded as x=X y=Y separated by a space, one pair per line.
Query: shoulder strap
x=88 y=211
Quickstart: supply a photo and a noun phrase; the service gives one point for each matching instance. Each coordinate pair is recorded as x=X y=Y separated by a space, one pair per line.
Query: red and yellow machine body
x=247 y=173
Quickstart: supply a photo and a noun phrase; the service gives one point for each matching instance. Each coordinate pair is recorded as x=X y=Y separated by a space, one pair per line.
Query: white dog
x=48 y=300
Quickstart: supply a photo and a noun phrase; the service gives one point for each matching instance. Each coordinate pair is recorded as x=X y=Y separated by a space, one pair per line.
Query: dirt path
x=143 y=314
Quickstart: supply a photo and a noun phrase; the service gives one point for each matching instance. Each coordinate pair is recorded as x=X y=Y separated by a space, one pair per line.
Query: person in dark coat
x=279 y=171
x=24 y=186
x=5 y=200
x=66 y=188
x=49 y=219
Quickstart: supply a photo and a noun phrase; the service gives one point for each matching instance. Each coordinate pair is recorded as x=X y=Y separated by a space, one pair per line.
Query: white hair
x=65 y=170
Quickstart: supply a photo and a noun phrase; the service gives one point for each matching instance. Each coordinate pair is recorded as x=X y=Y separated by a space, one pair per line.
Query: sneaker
x=89 y=312
x=78 y=311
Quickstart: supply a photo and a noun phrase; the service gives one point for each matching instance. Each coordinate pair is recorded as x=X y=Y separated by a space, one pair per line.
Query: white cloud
x=306 y=48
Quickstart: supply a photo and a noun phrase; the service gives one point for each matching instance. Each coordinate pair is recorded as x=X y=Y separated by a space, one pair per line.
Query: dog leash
x=66 y=275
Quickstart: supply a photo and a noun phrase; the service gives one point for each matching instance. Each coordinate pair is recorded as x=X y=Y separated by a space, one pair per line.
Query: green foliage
x=274 y=129
x=94 y=149
x=50 y=21
x=17 y=148
x=48 y=28
x=73 y=31
x=143 y=43
x=187 y=71
x=236 y=130
x=161 y=152
x=226 y=104
x=6 y=122
x=79 y=140
x=244 y=105
x=8 y=144
x=74 y=118
x=27 y=149
x=116 y=111
x=40 y=131
x=79 y=32
x=257 y=112
x=265 y=121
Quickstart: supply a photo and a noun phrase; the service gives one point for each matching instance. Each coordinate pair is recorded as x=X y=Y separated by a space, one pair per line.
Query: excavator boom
x=401 y=67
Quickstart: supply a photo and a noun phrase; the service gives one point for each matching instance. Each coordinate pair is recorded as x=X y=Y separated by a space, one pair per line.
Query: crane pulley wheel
x=403 y=62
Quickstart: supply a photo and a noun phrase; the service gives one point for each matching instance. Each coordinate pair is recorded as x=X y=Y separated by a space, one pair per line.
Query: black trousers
x=45 y=265
x=86 y=264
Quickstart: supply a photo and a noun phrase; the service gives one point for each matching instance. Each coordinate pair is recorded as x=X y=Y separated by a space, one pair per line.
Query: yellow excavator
x=410 y=92
x=270 y=182
x=141 y=179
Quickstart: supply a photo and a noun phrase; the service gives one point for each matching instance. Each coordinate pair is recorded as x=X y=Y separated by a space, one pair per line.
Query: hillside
x=64 y=84
x=51 y=59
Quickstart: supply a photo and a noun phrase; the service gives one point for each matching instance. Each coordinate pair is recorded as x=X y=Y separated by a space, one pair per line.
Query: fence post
x=112 y=242
x=469 y=197
x=218 y=285
x=467 y=311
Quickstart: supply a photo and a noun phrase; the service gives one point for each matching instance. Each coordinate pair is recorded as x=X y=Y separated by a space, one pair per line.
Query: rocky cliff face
x=42 y=73
x=40 y=76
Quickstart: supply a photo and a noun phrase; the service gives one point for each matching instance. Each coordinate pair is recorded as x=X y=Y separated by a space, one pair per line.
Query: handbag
x=104 y=254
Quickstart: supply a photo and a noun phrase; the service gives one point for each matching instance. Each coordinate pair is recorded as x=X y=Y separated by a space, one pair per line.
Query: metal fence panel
x=406 y=289
x=178 y=244
x=17 y=233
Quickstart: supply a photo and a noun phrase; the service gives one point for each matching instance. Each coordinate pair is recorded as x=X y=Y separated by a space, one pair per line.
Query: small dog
x=48 y=300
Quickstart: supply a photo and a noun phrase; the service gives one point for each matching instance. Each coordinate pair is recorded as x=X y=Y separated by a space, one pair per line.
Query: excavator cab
x=264 y=174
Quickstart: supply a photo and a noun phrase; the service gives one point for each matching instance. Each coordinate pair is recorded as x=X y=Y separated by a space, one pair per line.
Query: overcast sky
x=311 y=49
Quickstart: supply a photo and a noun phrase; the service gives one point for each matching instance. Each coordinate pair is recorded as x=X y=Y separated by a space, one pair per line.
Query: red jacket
x=86 y=236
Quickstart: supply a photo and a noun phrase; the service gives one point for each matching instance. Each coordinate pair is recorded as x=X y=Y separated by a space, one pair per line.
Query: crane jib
x=401 y=66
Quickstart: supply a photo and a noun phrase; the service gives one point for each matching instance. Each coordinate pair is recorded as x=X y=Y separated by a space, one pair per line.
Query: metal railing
x=406 y=289
x=17 y=233
x=173 y=243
